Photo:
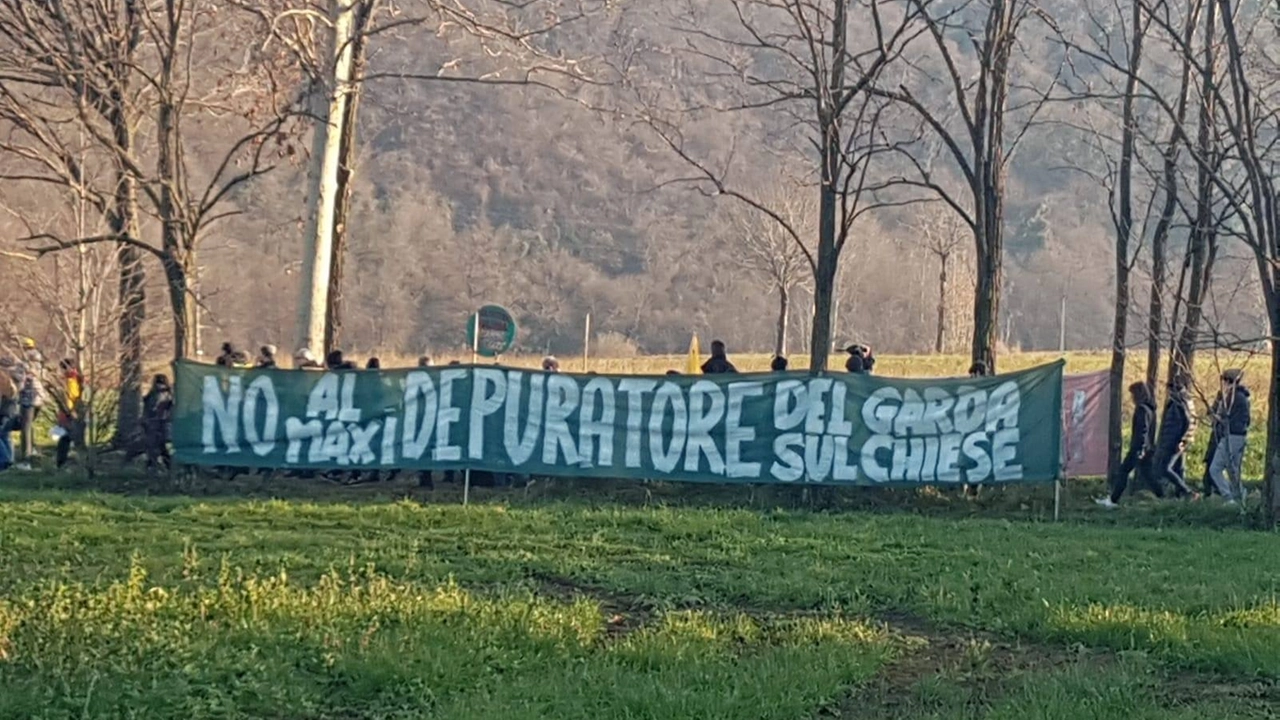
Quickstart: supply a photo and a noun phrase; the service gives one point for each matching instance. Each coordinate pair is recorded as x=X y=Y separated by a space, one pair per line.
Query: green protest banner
x=750 y=428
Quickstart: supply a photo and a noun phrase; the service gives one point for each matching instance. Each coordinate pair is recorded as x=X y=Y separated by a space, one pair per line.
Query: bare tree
x=772 y=255
x=507 y=30
x=795 y=58
x=940 y=234
x=979 y=143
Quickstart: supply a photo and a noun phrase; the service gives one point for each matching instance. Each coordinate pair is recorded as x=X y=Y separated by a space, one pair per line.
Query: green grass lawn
x=381 y=602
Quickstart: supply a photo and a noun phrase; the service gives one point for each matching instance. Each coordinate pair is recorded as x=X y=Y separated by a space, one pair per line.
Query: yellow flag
x=695 y=357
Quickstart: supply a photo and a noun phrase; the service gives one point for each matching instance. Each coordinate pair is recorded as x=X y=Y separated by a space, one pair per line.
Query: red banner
x=1084 y=424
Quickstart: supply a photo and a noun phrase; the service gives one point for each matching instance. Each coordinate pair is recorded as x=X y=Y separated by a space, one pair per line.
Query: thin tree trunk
x=1124 y=227
x=317 y=258
x=939 y=342
x=784 y=313
x=1203 y=239
x=1160 y=238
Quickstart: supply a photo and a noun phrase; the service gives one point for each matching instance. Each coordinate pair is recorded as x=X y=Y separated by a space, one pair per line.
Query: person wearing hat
x=550 y=364
x=304 y=359
x=1233 y=419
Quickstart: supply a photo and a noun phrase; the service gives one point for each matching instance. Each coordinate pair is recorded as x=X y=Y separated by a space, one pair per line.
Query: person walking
x=1142 y=443
x=1177 y=428
x=1228 y=456
x=718 y=363
x=157 y=413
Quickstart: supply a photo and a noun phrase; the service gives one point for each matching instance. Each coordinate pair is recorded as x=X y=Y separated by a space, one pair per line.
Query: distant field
x=350 y=604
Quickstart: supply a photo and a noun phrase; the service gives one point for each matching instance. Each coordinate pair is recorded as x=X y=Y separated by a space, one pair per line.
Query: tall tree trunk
x=176 y=248
x=784 y=313
x=1203 y=237
x=824 y=281
x=1123 y=204
x=1271 y=479
x=828 y=255
x=178 y=269
x=939 y=342
x=317 y=256
x=1160 y=238
x=123 y=221
x=990 y=251
x=346 y=176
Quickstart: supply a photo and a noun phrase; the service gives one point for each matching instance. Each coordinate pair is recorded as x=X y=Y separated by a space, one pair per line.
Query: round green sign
x=497 y=331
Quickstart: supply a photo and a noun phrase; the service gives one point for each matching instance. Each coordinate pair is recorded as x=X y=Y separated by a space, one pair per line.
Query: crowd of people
x=1157 y=452
x=24 y=398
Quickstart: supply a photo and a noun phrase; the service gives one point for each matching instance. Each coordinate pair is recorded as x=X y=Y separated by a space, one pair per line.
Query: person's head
x=455 y=362
x=550 y=364
x=373 y=364
x=673 y=372
x=28 y=344
x=779 y=364
x=334 y=359
x=1141 y=394
x=717 y=348
x=66 y=364
x=304 y=357
x=424 y=361
x=228 y=348
x=159 y=382
x=269 y=351
x=1231 y=379
x=978 y=369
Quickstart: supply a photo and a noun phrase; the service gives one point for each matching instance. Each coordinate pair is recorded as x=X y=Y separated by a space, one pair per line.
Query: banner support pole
x=1057 y=499
x=475 y=358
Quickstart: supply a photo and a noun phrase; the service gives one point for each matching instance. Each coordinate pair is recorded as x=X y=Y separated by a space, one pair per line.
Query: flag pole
x=586 y=342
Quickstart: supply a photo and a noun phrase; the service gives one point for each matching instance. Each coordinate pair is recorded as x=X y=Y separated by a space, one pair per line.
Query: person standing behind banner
x=1228 y=457
x=860 y=361
x=718 y=363
x=1177 y=427
x=779 y=364
x=1142 y=443
x=266 y=357
x=977 y=370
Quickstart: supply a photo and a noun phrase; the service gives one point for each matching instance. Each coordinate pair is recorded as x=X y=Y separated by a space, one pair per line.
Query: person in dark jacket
x=718 y=363
x=1142 y=445
x=779 y=364
x=373 y=363
x=157 y=413
x=1233 y=420
x=225 y=358
x=1177 y=427
x=335 y=361
x=978 y=369
x=860 y=361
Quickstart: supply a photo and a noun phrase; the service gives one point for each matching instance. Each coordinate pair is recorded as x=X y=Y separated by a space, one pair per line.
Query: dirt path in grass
x=986 y=665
